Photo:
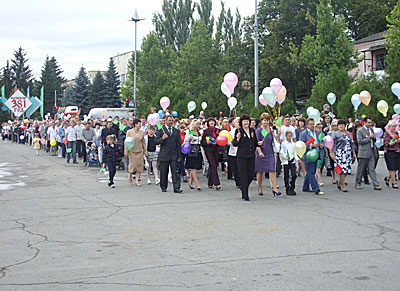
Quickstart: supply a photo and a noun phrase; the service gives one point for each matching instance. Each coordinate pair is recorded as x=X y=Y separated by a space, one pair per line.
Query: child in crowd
x=289 y=159
x=110 y=155
x=181 y=164
x=153 y=150
x=321 y=158
x=36 y=143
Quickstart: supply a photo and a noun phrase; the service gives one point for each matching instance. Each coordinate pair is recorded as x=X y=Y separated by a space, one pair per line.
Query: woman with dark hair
x=342 y=153
x=209 y=144
x=246 y=142
x=135 y=154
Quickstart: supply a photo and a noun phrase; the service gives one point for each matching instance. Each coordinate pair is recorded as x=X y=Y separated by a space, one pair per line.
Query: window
x=123 y=78
x=380 y=62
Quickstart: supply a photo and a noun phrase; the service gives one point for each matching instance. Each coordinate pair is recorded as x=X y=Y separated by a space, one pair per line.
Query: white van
x=104 y=113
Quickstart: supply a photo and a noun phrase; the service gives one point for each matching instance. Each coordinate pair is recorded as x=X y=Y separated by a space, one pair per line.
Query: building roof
x=373 y=37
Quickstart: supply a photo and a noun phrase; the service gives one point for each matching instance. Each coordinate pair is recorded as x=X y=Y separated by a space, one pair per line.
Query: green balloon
x=397 y=108
x=269 y=95
x=312 y=155
x=129 y=143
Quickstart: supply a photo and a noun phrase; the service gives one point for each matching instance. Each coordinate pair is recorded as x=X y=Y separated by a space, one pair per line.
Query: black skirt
x=392 y=159
x=195 y=163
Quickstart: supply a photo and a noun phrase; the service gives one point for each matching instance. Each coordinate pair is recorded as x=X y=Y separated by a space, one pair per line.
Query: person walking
x=289 y=159
x=232 y=163
x=169 y=139
x=209 y=144
x=342 y=153
x=71 y=135
x=392 y=153
x=194 y=159
x=367 y=153
x=152 y=150
x=136 y=153
x=265 y=155
x=246 y=141
x=110 y=158
x=310 y=137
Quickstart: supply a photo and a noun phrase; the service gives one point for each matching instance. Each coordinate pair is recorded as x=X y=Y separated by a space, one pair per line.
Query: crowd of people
x=257 y=148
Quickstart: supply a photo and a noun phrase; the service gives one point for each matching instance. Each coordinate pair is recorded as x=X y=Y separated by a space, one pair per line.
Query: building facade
x=121 y=62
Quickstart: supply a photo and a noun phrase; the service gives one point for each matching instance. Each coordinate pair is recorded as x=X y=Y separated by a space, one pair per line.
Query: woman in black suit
x=211 y=150
x=246 y=141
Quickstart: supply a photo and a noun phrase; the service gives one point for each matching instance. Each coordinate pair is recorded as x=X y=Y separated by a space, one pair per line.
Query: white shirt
x=71 y=132
x=286 y=128
x=287 y=147
x=232 y=149
x=52 y=132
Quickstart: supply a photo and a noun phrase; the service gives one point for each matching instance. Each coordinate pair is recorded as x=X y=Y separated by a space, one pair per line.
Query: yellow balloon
x=53 y=142
x=26 y=121
x=382 y=107
x=363 y=116
x=300 y=148
x=227 y=134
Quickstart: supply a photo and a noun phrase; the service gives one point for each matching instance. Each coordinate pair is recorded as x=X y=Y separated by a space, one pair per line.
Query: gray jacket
x=365 y=151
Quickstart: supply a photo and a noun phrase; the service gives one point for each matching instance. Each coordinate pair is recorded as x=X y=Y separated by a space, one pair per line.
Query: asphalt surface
x=63 y=228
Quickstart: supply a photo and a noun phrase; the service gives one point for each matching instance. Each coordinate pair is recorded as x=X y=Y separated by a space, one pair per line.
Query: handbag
x=276 y=146
x=195 y=152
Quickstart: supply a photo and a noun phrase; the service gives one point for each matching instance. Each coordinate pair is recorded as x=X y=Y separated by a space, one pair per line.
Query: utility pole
x=256 y=57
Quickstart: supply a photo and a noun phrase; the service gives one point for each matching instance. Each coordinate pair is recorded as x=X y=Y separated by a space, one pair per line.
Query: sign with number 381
x=18 y=103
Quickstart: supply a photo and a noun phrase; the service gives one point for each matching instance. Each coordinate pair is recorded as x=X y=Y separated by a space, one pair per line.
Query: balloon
x=314 y=114
x=21 y=136
x=282 y=95
x=227 y=134
x=300 y=148
x=329 y=141
x=382 y=107
x=262 y=100
x=397 y=108
x=396 y=89
x=26 y=120
x=186 y=148
x=231 y=80
x=153 y=118
x=378 y=132
x=191 y=106
x=204 y=105
x=331 y=98
x=232 y=102
x=161 y=113
x=225 y=90
x=174 y=113
x=379 y=142
x=273 y=104
x=309 y=110
x=312 y=155
x=269 y=95
x=365 y=97
x=164 y=102
x=220 y=113
x=276 y=85
x=129 y=143
x=355 y=99
x=222 y=140
x=191 y=117
x=53 y=142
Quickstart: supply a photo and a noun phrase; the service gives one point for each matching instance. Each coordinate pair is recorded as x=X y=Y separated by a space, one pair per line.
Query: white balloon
x=232 y=102
x=355 y=100
x=204 y=105
x=314 y=114
x=309 y=110
x=225 y=90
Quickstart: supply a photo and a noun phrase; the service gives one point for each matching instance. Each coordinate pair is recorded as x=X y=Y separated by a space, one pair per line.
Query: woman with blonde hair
x=392 y=153
x=194 y=159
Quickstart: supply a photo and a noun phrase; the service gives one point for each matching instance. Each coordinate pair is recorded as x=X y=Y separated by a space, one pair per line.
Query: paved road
x=62 y=228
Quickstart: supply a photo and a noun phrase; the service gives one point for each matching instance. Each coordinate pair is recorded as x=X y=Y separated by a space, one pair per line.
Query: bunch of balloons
x=229 y=84
x=364 y=97
x=276 y=92
x=313 y=113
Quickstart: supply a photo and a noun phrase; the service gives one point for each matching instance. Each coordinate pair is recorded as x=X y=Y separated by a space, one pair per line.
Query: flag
x=2 y=91
x=310 y=141
x=279 y=122
x=338 y=169
x=191 y=132
x=27 y=93
x=115 y=121
x=159 y=126
x=394 y=138
x=321 y=136
x=101 y=170
x=287 y=154
x=42 y=100
x=226 y=127
x=122 y=127
x=15 y=89
x=264 y=133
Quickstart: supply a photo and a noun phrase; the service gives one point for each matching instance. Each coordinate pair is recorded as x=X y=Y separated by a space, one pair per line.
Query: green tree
x=6 y=79
x=69 y=97
x=52 y=81
x=97 y=92
x=112 y=86
x=22 y=74
x=81 y=91
x=204 y=9
x=393 y=45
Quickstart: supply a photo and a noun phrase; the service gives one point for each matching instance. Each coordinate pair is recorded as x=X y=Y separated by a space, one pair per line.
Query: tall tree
x=228 y=29
x=69 y=97
x=112 y=86
x=22 y=74
x=204 y=9
x=6 y=79
x=393 y=45
x=97 y=92
x=174 y=25
x=52 y=81
x=81 y=91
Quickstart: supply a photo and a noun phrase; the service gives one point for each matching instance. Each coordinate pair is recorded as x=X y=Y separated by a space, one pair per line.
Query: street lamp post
x=135 y=19
x=256 y=57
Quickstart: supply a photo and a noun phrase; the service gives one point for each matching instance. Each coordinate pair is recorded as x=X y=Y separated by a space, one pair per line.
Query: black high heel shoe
x=191 y=187
x=276 y=193
x=338 y=186
x=387 y=181
x=395 y=186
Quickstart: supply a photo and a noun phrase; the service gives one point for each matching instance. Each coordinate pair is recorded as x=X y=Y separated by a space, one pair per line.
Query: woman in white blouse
x=194 y=159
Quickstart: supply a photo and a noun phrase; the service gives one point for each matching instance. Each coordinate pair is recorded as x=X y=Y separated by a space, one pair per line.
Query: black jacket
x=110 y=154
x=170 y=148
x=247 y=144
x=106 y=132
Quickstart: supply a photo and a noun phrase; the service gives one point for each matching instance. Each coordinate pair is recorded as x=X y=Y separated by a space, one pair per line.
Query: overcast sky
x=85 y=32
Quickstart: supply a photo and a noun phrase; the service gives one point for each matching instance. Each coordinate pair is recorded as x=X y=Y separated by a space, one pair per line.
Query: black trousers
x=112 y=169
x=164 y=170
x=212 y=158
x=289 y=172
x=246 y=169
x=233 y=170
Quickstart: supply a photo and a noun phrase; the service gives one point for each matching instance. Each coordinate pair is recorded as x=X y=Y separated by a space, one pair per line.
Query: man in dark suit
x=310 y=137
x=170 y=154
x=367 y=153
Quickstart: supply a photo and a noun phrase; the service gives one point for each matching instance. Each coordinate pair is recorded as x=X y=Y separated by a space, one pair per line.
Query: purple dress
x=267 y=163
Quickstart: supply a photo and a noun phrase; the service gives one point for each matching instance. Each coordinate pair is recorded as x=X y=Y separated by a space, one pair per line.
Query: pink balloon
x=231 y=80
x=262 y=100
x=276 y=84
x=328 y=140
x=153 y=118
x=164 y=102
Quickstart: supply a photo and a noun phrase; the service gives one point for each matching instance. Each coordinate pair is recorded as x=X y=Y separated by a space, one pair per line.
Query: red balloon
x=220 y=113
x=222 y=140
